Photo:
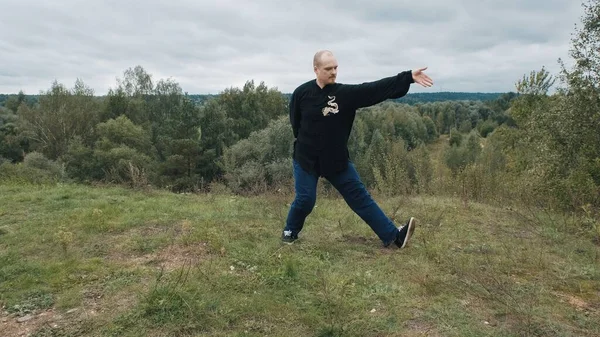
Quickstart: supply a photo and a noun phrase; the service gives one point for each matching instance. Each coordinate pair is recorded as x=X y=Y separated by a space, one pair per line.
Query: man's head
x=325 y=66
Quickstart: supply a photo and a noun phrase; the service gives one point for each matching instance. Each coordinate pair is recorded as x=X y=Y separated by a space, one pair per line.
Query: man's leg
x=306 y=195
x=350 y=186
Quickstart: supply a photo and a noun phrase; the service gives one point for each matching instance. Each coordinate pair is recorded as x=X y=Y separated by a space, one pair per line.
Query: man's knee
x=357 y=194
x=306 y=203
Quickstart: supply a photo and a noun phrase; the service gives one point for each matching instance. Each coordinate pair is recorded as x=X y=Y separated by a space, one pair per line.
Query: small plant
x=64 y=238
x=138 y=176
x=591 y=221
x=291 y=269
x=36 y=300
x=170 y=301
x=186 y=232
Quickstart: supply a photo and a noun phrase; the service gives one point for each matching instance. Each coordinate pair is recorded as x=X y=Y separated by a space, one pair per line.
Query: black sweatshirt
x=322 y=118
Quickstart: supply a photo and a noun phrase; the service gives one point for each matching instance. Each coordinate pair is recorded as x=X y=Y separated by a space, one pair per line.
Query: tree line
x=12 y=100
x=146 y=132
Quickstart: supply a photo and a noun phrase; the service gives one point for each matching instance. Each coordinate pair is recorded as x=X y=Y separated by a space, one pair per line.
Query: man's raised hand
x=420 y=77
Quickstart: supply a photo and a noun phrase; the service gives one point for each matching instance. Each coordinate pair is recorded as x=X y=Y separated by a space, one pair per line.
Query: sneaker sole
x=411 y=229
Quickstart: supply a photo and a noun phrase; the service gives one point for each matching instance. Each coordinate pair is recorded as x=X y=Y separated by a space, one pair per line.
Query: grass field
x=107 y=261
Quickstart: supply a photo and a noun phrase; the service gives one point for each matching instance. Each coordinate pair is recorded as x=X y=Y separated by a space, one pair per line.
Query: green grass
x=159 y=264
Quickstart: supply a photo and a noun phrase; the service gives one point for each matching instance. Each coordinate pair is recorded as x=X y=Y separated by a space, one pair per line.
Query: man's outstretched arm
x=371 y=93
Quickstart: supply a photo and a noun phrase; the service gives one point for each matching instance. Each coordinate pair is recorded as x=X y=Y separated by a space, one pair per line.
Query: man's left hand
x=419 y=77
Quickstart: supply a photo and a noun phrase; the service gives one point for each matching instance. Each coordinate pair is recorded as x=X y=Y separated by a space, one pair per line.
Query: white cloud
x=207 y=46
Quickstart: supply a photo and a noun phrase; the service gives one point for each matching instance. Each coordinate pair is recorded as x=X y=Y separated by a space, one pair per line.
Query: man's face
x=326 y=70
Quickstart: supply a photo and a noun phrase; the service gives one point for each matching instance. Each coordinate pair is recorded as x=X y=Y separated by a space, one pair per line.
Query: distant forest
x=411 y=98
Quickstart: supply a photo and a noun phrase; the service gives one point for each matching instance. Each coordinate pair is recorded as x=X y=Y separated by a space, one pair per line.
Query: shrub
x=455 y=137
x=487 y=127
x=22 y=174
x=263 y=160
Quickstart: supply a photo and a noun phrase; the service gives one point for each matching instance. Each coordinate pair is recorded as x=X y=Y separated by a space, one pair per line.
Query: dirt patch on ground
x=13 y=325
x=356 y=239
x=169 y=258
x=418 y=328
x=53 y=322
x=578 y=303
x=173 y=257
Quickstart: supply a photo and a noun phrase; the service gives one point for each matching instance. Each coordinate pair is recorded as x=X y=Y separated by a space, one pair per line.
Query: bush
x=39 y=161
x=124 y=165
x=185 y=184
x=22 y=174
x=279 y=171
x=249 y=177
x=457 y=157
x=465 y=126
x=35 y=168
x=432 y=132
x=422 y=172
x=579 y=188
x=402 y=172
x=487 y=127
x=80 y=163
x=391 y=176
x=455 y=137
x=263 y=160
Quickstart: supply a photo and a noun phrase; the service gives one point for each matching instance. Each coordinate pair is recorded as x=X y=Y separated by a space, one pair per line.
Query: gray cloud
x=207 y=46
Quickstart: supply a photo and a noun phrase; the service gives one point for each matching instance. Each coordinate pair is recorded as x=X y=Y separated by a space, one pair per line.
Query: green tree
x=13 y=102
x=216 y=135
x=432 y=132
x=178 y=142
x=60 y=116
x=357 y=142
x=130 y=96
x=374 y=158
x=584 y=50
x=231 y=117
x=558 y=139
x=252 y=107
x=581 y=109
x=12 y=143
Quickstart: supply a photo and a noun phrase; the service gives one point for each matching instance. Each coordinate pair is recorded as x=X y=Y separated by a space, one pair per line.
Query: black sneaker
x=405 y=232
x=288 y=237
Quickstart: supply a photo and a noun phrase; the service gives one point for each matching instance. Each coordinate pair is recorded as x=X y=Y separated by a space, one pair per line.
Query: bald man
x=322 y=114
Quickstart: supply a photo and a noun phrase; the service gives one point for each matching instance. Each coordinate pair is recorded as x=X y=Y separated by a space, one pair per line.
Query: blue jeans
x=350 y=186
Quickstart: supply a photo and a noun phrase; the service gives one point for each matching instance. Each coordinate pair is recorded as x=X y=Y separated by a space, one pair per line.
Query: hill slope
x=83 y=261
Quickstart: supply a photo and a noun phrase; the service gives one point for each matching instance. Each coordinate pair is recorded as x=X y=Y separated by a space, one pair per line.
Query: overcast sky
x=208 y=46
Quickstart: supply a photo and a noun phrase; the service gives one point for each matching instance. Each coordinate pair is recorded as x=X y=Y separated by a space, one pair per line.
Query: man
x=322 y=113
